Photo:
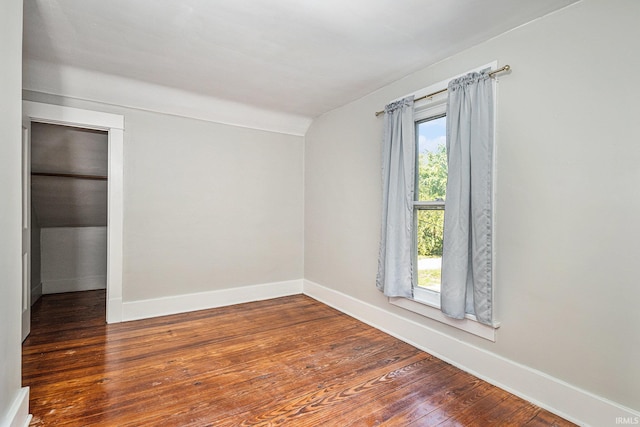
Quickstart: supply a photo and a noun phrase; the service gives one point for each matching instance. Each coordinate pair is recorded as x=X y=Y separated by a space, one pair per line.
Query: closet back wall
x=73 y=259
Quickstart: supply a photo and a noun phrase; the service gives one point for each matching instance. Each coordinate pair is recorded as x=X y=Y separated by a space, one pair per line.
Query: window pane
x=432 y=159
x=430 y=227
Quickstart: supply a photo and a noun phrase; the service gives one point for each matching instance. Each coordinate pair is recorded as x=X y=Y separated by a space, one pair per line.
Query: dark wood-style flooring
x=288 y=361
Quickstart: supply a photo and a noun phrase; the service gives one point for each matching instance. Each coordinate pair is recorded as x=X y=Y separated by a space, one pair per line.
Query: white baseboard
x=75 y=284
x=18 y=414
x=114 y=309
x=570 y=402
x=144 y=309
x=36 y=293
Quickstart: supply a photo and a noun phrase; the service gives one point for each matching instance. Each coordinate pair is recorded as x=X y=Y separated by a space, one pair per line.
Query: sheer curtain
x=395 y=260
x=467 y=250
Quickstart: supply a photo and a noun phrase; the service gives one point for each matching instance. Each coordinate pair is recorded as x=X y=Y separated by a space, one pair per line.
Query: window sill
x=427 y=304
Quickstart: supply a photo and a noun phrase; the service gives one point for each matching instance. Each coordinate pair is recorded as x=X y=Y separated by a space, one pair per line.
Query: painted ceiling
x=298 y=57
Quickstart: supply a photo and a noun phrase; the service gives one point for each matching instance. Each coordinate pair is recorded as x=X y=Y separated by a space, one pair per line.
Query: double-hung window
x=428 y=205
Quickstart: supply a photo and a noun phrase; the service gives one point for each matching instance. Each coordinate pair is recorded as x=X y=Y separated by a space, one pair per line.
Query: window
x=428 y=211
x=428 y=207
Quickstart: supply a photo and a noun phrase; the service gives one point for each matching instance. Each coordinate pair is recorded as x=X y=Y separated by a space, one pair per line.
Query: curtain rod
x=431 y=95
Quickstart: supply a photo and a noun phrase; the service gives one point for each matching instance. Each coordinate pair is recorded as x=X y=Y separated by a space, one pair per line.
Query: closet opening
x=69 y=200
x=89 y=203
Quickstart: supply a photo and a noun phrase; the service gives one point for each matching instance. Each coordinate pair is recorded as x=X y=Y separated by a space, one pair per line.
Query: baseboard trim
x=36 y=293
x=75 y=284
x=18 y=414
x=570 y=402
x=144 y=309
x=114 y=309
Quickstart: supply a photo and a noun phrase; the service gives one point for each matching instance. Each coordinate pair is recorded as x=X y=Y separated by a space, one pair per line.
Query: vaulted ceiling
x=302 y=57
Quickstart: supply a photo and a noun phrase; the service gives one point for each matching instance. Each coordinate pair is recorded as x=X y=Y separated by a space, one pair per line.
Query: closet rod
x=71 y=175
x=499 y=70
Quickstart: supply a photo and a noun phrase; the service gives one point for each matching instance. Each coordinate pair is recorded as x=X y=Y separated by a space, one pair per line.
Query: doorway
x=100 y=125
x=69 y=181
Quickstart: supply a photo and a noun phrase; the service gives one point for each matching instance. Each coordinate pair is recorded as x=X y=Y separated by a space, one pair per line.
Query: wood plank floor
x=287 y=361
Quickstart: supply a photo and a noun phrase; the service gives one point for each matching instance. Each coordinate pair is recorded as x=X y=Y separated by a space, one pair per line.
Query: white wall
x=568 y=199
x=207 y=206
x=10 y=211
x=73 y=259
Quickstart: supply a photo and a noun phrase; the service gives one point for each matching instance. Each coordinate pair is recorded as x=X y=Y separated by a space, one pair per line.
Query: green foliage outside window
x=432 y=184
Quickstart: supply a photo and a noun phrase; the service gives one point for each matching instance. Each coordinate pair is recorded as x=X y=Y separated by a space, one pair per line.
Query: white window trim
x=468 y=324
x=426 y=302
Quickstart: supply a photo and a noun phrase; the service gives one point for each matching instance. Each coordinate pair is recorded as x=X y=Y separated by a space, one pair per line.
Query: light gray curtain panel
x=467 y=245
x=395 y=260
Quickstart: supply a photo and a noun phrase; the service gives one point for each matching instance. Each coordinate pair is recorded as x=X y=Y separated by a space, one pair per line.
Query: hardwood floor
x=287 y=361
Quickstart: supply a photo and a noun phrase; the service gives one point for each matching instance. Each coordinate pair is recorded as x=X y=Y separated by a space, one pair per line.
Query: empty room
x=319 y=213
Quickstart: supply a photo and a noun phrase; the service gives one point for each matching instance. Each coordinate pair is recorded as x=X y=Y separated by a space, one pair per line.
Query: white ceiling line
x=114 y=90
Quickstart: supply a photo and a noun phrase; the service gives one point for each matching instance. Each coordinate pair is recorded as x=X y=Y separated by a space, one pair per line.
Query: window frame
x=430 y=111
x=427 y=302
